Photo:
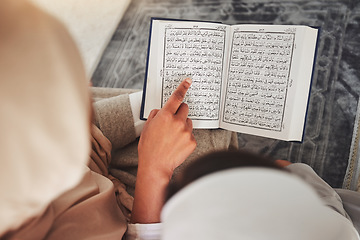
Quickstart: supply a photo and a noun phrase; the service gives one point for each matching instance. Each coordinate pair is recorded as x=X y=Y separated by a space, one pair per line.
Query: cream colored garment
x=252 y=204
x=87 y=211
x=113 y=116
x=100 y=159
x=44 y=113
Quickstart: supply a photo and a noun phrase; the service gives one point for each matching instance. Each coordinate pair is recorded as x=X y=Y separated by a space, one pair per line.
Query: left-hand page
x=181 y=49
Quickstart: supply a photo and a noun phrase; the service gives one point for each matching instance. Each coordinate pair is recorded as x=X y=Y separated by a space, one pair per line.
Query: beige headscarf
x=252 y=204
x=44 y=112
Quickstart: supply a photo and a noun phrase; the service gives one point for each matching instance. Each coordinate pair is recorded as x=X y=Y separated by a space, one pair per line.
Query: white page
x=181 y=49
x=269 y=79
x=301 y=86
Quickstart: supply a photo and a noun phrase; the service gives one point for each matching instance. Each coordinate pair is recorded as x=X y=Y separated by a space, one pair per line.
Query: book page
x=184 y=49
x=262 y=73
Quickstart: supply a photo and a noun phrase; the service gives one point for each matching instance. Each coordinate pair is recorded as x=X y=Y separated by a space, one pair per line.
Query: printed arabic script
x=195 y=53
x=258 y=79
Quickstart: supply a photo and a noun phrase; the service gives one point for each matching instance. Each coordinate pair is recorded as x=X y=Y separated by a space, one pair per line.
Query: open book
x=247 y=78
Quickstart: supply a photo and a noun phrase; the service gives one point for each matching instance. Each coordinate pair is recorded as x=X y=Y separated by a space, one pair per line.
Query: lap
x=124 y=160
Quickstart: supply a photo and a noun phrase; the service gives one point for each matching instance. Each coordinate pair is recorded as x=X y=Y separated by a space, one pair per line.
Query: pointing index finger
x=177 y=97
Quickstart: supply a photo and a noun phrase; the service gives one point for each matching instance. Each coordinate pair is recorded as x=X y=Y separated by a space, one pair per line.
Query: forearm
x=166 y=141
x=149 y=196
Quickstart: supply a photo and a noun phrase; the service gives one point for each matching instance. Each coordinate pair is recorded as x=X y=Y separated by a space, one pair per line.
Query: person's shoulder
x=22 y=19
x=299 y=166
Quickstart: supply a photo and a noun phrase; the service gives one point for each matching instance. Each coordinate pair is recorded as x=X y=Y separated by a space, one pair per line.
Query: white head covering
x=44 y=112
x=251 y=203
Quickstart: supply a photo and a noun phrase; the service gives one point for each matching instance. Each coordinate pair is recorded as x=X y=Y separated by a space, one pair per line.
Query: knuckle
x=179 y=123
x=194 y=143
x=167 y=116
x=189 y=122
x=153 y=112
x=178 y=95
x=188 y=134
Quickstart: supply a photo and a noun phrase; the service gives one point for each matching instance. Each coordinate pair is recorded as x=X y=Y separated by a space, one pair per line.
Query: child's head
x=217 y=161
x=237 y=195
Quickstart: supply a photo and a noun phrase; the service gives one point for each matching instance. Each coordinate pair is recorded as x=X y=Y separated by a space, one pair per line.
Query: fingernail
x=188 y=80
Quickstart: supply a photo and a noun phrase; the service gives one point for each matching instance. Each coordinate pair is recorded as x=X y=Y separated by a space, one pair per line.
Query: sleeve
x=113 y=116
x=100 y=157
x=326 y=193
x=351 y=202
x=115 y=129
x=135 y=102
x=144 y=231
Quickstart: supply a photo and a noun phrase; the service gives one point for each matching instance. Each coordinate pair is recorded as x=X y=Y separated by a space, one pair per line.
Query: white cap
x=251 y=203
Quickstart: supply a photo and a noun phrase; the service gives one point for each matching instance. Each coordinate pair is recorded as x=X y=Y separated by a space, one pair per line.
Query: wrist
x=149 y=196
x=153 y=174
x=153 y=168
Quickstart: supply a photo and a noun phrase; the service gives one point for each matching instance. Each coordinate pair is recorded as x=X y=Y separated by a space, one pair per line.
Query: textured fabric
x=351 y=202
x=100 y=159
x=113 y=115
x=327 y=194
x=99 y=93
x=88 y=211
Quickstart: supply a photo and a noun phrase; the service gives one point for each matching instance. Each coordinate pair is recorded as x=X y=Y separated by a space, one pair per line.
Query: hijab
x=44 y=112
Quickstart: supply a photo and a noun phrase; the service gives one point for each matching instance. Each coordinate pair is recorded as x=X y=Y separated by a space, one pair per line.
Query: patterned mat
x=352 y=176
x=336 y=86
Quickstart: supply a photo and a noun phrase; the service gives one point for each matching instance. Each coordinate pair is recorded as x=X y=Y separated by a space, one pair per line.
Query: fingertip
x=177 y=97
x=186 y=83
x=184 y=105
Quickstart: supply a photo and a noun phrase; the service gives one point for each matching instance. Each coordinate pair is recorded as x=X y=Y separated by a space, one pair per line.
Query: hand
x=167 y=139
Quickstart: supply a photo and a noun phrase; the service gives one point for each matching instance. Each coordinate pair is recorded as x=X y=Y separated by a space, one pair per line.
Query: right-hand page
x=269 y=77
